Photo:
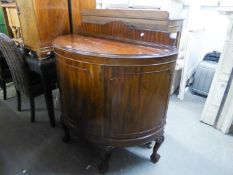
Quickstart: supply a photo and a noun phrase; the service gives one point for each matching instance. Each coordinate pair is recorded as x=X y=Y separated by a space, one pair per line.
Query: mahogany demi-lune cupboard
x=115 y=78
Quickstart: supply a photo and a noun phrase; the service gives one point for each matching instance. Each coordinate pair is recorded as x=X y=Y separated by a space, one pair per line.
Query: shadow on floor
x=190 y=147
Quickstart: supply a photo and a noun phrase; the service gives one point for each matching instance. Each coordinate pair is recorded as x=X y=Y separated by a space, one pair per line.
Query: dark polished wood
x=93 y=46
x=155 y=156
x=132 y=25
x=116 y=96
x=104 y=166
x=121 y=31
x=114 y=82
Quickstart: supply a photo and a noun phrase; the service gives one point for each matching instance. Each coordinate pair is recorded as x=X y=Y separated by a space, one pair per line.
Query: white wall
x=215 y=32
x=203 y=41
x=215 y=24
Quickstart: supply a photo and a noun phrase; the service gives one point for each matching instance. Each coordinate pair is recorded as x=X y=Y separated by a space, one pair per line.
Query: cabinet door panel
x=81 y=92
x=138 y=105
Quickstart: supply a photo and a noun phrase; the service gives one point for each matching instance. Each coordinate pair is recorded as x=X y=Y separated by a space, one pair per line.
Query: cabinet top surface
x=93 y=46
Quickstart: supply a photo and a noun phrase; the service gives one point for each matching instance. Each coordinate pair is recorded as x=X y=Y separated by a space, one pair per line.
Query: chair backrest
x=16 y=63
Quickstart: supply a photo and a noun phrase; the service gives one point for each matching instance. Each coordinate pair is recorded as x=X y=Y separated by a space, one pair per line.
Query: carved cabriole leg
x=66 y=138
x=155 y=156
x=103 y=168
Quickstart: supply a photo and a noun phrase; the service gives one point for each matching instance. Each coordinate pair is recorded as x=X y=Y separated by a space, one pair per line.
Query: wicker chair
x=5 y=75
x=25 y=81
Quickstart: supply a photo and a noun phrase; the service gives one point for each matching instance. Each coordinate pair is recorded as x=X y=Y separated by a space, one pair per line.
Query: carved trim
x=76 y=67
x=80 y=69
x=151 y=131
x=109 y=65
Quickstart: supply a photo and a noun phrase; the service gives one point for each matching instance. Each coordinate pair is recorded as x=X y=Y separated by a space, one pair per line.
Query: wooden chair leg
x=49 y=102
x=32 y=106
x=4 y=89
x=48 y=99
x=18 y=100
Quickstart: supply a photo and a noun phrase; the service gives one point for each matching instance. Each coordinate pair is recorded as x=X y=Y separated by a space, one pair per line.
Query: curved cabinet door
x=81 y=93
x=136 y=99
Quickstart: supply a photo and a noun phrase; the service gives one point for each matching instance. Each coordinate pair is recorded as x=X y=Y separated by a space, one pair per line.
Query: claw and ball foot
x=104 y=166
x=66 y=138
x=155 y=156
